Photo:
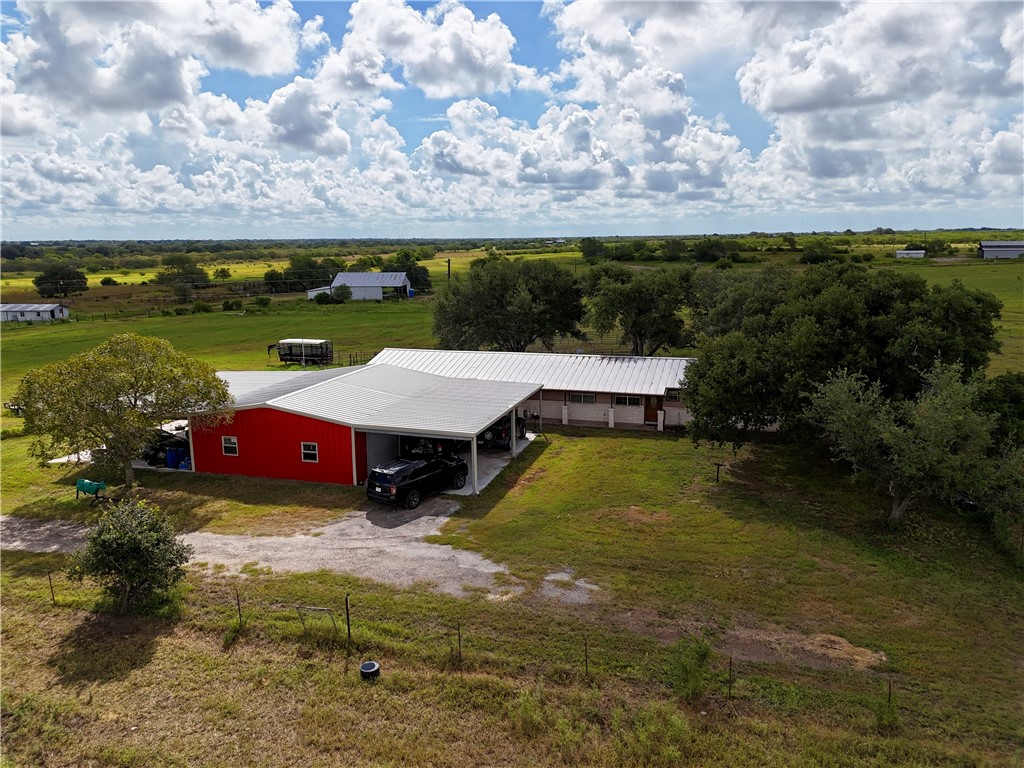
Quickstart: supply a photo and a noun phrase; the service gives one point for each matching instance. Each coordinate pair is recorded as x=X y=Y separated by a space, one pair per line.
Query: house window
x=672 y=395
x=229 y=445
x=627 y=399
x=588 y=398
x=310 y=453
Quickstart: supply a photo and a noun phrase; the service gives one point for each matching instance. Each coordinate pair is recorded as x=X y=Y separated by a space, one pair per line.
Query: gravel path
x=383 y=544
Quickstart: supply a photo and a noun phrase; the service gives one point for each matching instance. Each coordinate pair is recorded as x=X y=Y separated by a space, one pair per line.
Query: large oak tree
x=116 y=395
x=508 y=305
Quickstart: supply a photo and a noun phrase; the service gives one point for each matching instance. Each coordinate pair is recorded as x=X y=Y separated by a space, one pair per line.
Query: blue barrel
x=173 y=457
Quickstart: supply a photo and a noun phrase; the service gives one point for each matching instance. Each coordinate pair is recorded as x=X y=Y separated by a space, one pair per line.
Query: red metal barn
x=266 y=442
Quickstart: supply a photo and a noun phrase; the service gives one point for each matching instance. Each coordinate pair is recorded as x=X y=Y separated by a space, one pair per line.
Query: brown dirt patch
x=526 y=480
x=635 y=515
x=821 y=651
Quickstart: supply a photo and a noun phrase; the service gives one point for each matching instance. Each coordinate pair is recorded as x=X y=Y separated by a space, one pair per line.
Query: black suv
x=499 y=434
x=408 y=481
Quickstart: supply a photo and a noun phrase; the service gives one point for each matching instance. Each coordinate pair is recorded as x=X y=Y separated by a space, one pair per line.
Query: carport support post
x=512 y=437
x=472 y=456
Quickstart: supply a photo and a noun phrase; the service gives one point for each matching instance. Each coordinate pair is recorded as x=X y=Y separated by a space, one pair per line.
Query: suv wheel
x=459 y=481
x=412 y=500
x=488 y=435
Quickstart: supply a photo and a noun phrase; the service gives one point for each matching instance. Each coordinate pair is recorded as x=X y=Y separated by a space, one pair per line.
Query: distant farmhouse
x=909 y=254
x=369 y=286
x=32 y=313
x=1000 y=249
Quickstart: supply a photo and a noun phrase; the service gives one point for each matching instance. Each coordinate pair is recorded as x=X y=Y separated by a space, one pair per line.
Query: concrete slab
x=491 y=462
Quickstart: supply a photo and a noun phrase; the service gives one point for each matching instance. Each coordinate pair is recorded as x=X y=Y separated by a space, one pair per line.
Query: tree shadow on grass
x=104 y=647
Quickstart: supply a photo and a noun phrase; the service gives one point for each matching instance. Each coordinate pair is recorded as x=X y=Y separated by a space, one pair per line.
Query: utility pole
x=449 y=271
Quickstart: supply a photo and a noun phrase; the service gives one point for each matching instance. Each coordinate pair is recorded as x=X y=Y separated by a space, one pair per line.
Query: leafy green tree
x=59 y=279
x=116 y=394
x=592 y=249
x=508 y=305
x=644 y=304
x=938 y=445
x=405 y=261
x=711 y=249
x=304 y=273
x=797 y=327
x=180 y=268
x=1003 y=395
x=222 y=273
x=133 y=553
x=819 y=251
x=275 y=281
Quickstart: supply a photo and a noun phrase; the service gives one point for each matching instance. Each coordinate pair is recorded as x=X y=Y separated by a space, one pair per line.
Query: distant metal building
x=909 y=254
x=1000 y=249
x=33 y=313
x=368 y=286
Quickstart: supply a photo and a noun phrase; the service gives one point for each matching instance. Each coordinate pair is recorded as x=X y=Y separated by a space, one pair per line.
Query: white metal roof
x=250 y=388
x=578 y=373
x=1002 y=243
x=364 y=279
x=303 y=341
x=28 y=307
x=384 y=398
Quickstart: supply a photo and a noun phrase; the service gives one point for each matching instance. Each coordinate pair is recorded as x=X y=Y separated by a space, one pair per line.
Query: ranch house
x=333 y=425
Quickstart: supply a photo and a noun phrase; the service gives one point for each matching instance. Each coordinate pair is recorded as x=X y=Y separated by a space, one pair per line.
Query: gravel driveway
x=383 y=544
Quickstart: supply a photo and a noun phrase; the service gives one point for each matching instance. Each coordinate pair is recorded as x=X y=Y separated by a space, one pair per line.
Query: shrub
x=182 y=311
x=109 y=281
x=166 y=313
x=232 y=305
x=323 y=298
x=687 y=668
x=133 y=553
x=723 y=263
x=201 y=306
x=262 y=301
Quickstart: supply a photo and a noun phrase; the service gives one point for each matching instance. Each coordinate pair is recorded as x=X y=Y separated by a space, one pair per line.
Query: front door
x=652 y=405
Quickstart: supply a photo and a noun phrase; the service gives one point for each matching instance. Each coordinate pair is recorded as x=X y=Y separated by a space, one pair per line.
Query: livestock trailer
x=305 y=351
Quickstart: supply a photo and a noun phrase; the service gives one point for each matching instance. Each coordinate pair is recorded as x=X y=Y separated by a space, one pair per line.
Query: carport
x=381 y=402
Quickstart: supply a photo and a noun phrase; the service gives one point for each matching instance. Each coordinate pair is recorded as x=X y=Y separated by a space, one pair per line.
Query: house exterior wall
x=584 y=414
x=269 y=445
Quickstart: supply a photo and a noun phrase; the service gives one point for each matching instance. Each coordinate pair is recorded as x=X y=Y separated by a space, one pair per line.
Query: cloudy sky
x=218 y=118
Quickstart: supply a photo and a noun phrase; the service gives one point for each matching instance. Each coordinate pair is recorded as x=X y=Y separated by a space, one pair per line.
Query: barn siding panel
x=269 y=445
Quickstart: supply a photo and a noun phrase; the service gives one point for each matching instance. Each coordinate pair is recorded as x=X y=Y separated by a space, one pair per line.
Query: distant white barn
x=33 y=313
x=368 y=286
x=909 y=254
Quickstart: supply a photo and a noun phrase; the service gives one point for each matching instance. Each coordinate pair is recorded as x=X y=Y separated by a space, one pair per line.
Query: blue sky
x=237 y=118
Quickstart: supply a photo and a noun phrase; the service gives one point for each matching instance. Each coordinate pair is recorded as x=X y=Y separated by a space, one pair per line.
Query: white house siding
x=676 y=415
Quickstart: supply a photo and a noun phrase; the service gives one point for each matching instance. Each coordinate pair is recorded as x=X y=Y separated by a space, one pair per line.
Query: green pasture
x=226 y=340
x=782 y=567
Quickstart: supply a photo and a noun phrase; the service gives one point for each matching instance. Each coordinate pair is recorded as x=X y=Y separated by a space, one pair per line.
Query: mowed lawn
x=782 y=565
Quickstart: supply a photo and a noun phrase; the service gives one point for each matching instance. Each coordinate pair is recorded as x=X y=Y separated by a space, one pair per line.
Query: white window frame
x=628 y=400
x=672 y=395
x=229 y=445
x=582 y=398
x=315 y=452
